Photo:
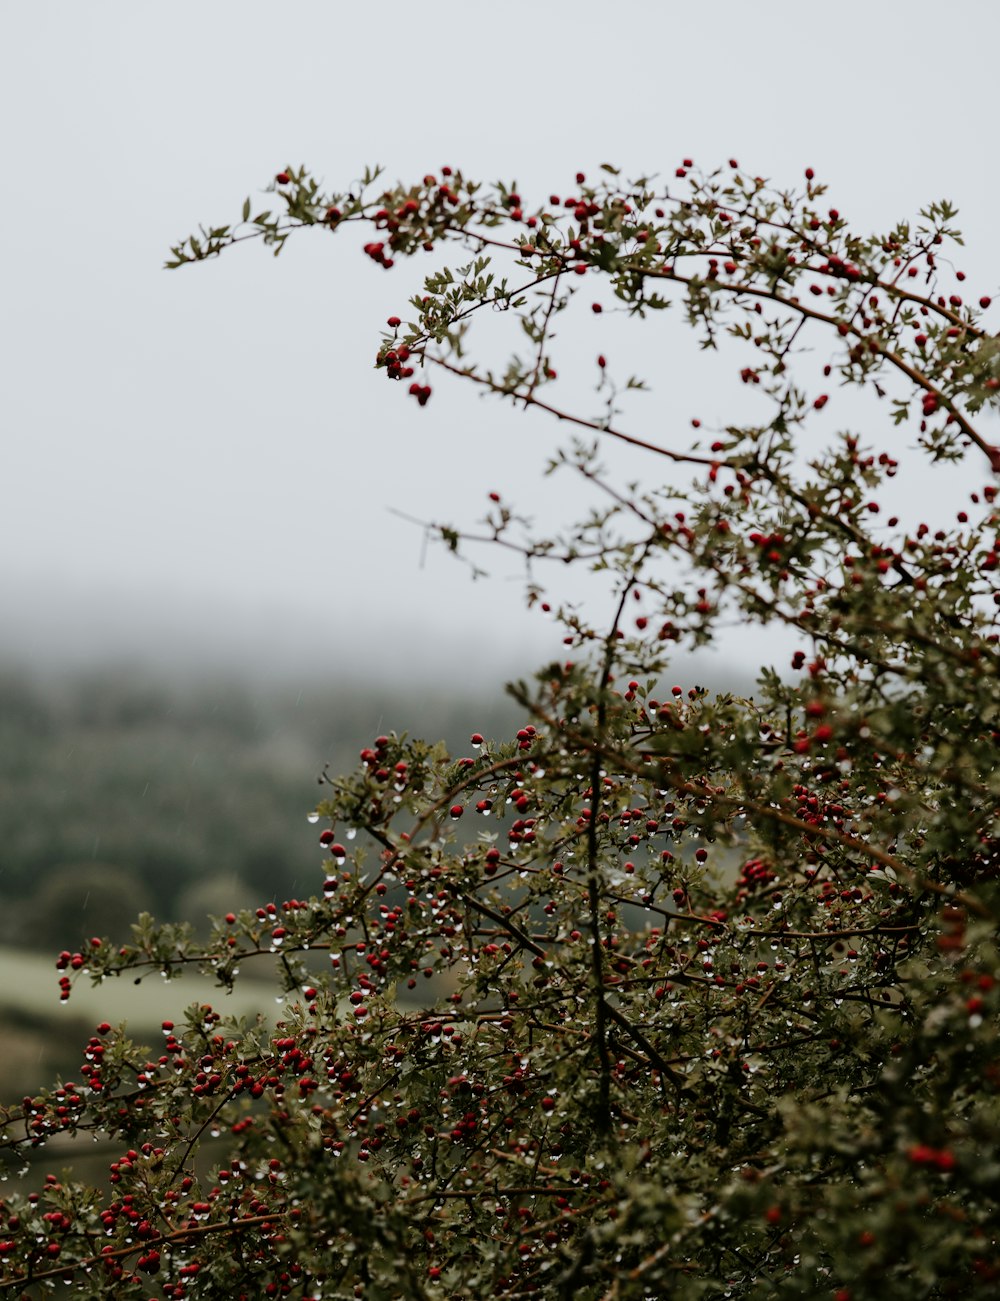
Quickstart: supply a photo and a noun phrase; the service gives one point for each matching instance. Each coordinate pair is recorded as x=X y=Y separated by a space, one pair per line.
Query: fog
x=200 y=467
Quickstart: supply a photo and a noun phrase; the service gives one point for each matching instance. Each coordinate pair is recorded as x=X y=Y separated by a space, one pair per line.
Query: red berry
x=282 y=178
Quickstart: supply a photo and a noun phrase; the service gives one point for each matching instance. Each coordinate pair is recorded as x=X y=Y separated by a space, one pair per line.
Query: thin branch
x=685 y=458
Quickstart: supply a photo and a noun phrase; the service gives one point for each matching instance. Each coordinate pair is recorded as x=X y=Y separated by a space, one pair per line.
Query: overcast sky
x=197 y=466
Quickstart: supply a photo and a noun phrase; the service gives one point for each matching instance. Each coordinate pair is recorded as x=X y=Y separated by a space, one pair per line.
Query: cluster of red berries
x=376 y=251
x=771 y=546
x=395 y=359
x=405 y=221
x=804 y=742
x=394 y=362
x=812 y=808
x=836 y=266
x=525 y=737
x=75 y=961
x=934 y=1157
x=374 y=758
x=756 y=874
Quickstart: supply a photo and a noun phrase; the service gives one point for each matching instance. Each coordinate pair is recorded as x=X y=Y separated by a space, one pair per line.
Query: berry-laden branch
x=744 y=241
x=671 y=991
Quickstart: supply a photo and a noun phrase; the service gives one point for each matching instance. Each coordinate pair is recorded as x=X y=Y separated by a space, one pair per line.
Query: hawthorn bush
x=671 y=994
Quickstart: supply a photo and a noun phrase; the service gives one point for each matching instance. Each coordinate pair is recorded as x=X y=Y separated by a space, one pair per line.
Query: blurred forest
x=120 y=791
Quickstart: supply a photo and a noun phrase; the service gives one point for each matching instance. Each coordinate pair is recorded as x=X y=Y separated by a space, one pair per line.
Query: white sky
x=197 y=466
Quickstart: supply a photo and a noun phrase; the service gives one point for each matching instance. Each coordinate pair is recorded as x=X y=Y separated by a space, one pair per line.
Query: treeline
x=120 y=793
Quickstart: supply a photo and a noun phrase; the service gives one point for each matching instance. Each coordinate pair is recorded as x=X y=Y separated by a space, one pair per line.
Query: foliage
x=710 y=993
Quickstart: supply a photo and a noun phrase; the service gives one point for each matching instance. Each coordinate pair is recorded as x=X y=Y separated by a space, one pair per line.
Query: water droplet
x=312 y=817
x=351 y=832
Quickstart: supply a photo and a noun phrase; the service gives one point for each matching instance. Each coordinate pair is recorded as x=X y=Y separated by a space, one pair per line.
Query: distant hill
x=119 y=792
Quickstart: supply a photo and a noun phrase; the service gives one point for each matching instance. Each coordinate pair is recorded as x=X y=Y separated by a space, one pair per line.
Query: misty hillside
x=119 y=792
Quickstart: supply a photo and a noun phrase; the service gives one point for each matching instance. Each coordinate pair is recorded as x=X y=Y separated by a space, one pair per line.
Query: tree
x=705 y=1006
